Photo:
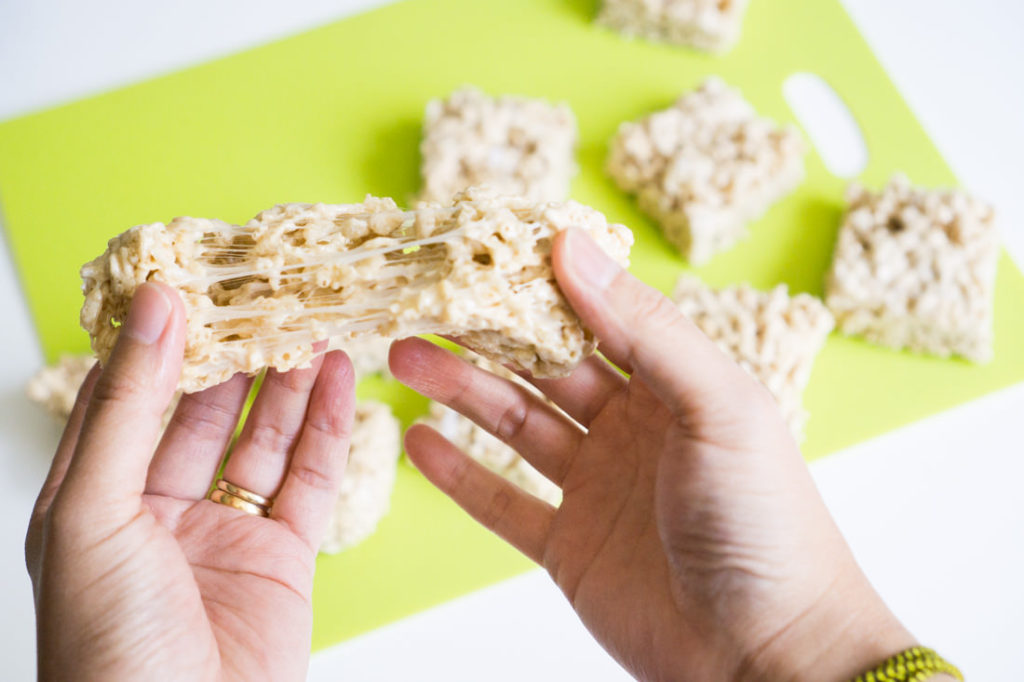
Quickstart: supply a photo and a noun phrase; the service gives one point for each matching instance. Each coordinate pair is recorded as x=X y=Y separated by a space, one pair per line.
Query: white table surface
x=933 y=511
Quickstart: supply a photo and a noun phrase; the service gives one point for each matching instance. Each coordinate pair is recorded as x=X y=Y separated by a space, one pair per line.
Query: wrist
x=847 y=633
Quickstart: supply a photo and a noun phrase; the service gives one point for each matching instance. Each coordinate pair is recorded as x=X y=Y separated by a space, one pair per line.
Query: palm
x=657 y=507
x=626 y=610
x=239 y=571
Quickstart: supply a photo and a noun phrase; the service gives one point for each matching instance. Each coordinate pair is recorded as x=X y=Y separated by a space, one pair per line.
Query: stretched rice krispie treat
x=711 y=25
x=369 y=477
x=485 y=448
x=262 y=295
x=772 y=335
x=55 y=387
x=705 y=167
x=516 y=145
x=915 y=268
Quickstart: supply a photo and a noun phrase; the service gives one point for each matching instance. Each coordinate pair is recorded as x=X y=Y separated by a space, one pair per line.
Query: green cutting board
x=334 y=113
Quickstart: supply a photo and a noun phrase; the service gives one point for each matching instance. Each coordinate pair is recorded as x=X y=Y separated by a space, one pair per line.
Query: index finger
x=107 y=471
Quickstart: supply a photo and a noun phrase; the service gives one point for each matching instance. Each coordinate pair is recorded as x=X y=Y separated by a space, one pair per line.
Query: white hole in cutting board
x=828 y=122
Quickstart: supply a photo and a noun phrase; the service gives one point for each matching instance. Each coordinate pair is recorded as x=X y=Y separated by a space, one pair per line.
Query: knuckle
x=118 y=387
x=296 y=381
x=512 y=420
x=332 y=423
x=455 y=479
x=312 y=477
x=496 y=510
x=204 y=421
x=651 y=308
x=271 y=438
x=449 y=389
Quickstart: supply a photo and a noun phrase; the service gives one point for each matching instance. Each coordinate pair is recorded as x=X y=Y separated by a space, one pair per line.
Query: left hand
x=136 y=574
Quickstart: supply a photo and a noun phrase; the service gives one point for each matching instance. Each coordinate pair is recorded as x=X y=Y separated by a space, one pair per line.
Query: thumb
x=640 y=330
x=124 y=416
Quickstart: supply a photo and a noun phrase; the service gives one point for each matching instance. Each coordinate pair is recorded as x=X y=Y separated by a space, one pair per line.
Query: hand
x=136 y=575
x=691 y=539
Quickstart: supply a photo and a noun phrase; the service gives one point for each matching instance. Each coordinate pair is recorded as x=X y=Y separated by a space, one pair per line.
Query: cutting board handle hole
x=828 y=122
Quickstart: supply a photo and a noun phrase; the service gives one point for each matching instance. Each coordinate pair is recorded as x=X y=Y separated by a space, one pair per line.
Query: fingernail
x=589 y=261
x=148 y=314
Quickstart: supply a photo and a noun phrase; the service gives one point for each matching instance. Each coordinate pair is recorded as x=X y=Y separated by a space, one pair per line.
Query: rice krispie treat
x=772 y=335
x=487 y=449
x=915 y=268
x=262 y=295
x=711 y=25
x=516 y=145
x=705 y=167
x=369 y=477
x=55 y=387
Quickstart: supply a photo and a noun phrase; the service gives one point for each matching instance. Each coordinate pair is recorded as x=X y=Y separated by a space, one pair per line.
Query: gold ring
x=247 y=495
x=235 y=502
x=227 y=499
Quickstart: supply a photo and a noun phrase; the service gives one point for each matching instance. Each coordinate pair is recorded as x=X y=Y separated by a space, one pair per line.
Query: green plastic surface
x=334 y=113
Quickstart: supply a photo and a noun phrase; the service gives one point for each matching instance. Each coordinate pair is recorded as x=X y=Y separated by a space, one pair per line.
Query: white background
x=933 y=511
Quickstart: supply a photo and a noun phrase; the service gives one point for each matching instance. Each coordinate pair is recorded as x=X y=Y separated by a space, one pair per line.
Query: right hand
x=691 y=539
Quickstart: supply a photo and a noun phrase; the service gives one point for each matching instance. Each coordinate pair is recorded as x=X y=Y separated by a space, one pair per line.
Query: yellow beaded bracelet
x=916 y=664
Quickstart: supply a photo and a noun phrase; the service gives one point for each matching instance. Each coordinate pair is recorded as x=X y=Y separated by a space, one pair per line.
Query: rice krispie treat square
x=365 y=495
x=711 y=25
x=516 y=145
x=706 y=166
x=915 y=268
x=55 y=387
x=772 y=335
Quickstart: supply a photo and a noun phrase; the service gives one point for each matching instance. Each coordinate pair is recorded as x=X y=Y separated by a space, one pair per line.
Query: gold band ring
x=221 y=496
x=227 y=499
x=247 y=495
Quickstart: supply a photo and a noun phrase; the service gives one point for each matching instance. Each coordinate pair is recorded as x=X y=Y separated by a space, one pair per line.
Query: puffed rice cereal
x=262 y=295
x=915 y=268
x=705 y=167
